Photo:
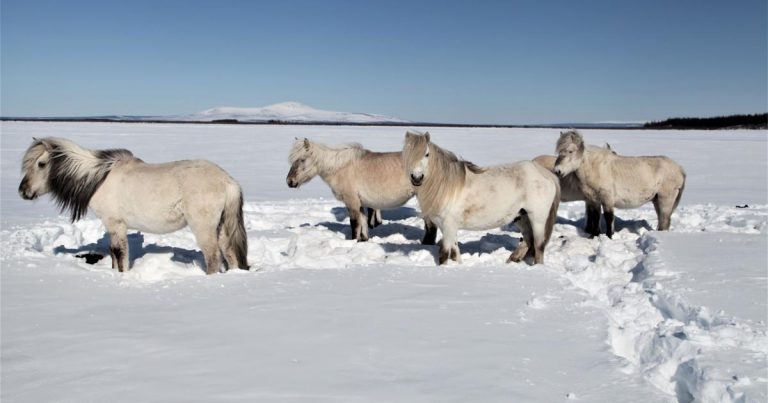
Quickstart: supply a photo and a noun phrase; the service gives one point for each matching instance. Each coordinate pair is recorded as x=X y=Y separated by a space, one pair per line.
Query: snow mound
x=286 y=112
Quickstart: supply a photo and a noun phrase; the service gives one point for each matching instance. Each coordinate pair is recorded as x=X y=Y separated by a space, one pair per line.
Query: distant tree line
x=756 y=121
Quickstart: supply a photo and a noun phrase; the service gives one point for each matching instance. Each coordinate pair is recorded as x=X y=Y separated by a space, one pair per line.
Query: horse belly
x=157 y=221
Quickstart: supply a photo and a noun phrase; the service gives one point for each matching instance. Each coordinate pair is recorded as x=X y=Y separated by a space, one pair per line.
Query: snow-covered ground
x=647 y=316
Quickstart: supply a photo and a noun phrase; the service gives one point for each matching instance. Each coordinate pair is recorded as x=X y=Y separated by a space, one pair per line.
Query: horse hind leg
x=207 y=235
x=118 y=245
x=523 y=249
x=374 y=217
x=664 y=206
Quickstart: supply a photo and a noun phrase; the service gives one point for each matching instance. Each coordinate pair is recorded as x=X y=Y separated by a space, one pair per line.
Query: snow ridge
x=656 y=332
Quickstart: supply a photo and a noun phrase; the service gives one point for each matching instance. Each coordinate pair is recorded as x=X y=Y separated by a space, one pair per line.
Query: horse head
x=303 y=168
x=570 y=152
x=416 y=156
x=35 y=166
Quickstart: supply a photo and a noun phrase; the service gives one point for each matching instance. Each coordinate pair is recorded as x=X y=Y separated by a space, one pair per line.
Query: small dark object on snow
x=744 y=206
x=90 y=258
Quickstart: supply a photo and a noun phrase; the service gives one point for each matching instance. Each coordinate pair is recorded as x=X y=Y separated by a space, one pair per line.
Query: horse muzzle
x=417 y=180
x=27 y=196
x=25 y=193
x=292 y=183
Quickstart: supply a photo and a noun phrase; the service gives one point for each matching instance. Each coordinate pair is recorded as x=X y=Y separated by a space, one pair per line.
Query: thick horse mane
x=569 y=137
x=447 y=172
x=75 y=173
x=327 y=159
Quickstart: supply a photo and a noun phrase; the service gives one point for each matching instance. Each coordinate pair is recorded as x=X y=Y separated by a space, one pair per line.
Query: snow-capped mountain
x=286 y=112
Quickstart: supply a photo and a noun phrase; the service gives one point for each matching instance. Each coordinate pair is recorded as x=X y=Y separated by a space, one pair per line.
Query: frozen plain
x=647 y=316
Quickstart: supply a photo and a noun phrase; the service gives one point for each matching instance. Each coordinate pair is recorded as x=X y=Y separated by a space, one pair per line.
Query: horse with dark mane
x=127 y=193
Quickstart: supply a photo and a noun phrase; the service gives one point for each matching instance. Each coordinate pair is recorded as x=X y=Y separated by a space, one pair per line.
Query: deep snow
x=646 y=316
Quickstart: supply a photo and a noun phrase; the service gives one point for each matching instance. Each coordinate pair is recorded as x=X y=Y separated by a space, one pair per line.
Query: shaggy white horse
x=127 y=193
x=611 y=180
x=457 y=194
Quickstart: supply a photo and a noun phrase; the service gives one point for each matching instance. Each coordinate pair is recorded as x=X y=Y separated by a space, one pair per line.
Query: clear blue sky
x=443 y=61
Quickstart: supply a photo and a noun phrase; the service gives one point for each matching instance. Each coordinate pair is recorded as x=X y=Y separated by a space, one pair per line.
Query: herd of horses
x=127 y=193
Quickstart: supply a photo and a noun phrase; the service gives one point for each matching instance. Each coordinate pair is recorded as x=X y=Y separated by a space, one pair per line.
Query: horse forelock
x=569 y=137
x=75 y=173
x=35 y=150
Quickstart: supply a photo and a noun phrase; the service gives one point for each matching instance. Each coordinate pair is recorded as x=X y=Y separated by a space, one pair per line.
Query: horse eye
x=41 y=164
x=426 y=155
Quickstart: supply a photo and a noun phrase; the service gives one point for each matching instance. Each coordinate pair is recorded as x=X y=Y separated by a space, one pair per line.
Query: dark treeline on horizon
x=755 y=121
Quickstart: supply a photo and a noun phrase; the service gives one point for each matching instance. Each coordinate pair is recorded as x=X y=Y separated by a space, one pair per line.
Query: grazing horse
x=127 y=193
x=611 y=180
x=570 y=190
x=359 y=178
x=457 y=194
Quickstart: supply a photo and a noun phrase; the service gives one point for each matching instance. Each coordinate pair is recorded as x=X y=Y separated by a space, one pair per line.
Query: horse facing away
x=611 y=180
x=457 y=194
x=357 y=177
x=127 y=193
x=570 y=190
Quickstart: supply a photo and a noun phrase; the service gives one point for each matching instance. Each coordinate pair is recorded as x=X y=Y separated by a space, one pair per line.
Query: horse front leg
x=449 y=246
x=118 y=244
x=357 y=220
x=592 y=226
x=608 y=214
x=430 y=232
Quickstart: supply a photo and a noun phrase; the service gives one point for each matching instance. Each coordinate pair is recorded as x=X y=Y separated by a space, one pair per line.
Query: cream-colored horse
x=127 y=193
x=570 y=190
x=611 y=180
x=359 y=178
x=457 y=194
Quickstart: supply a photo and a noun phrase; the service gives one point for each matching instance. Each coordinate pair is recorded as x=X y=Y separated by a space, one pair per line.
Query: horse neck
x=439 y=189
x=328 y=160
x=588 y=169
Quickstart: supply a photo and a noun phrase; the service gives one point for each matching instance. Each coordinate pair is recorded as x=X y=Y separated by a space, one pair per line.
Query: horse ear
x=427 y=136
x=306 y=144
x=608 y=147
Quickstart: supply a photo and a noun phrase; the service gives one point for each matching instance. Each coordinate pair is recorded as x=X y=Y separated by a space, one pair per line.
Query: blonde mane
x=326 y=159
x=447 y=172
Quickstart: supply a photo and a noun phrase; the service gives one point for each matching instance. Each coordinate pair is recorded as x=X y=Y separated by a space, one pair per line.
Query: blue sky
x=440 y=61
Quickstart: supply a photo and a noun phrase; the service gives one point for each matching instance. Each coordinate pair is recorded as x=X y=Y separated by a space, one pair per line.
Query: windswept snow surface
x=646 y=316
x=288 y=112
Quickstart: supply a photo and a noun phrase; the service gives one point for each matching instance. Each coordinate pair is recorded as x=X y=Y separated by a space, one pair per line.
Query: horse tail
x=233 y=224
x=550 y=225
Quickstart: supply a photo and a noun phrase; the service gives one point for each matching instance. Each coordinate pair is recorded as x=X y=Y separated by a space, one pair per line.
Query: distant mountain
x=283 y=112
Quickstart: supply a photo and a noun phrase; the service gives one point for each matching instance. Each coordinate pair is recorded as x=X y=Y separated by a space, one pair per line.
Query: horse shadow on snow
x=93 y=252
x=389 y=226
